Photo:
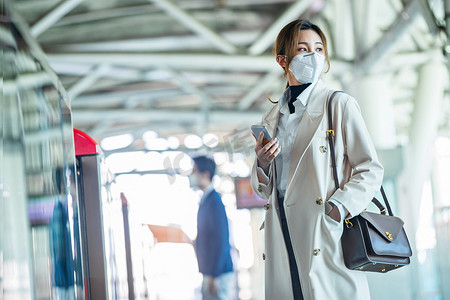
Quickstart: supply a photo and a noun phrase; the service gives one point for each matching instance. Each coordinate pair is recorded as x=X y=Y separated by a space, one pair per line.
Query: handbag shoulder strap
x=386 y=202
x=330 y=135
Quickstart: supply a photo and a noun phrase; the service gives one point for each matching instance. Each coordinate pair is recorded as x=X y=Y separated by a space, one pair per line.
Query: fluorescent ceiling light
x=193 y=141
x=211 y=140
x=117 y=142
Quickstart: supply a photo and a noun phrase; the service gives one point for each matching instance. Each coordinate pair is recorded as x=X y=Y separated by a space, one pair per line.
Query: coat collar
x=313 y=109
x=302 y=99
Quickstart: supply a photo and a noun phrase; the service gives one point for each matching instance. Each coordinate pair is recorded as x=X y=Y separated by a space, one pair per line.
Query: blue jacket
x=212 y=243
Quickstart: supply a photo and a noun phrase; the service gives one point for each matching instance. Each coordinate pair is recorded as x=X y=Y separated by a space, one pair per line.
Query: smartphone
x=257 y=129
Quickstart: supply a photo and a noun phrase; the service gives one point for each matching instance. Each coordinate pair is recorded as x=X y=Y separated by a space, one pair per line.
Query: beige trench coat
x=315 y=236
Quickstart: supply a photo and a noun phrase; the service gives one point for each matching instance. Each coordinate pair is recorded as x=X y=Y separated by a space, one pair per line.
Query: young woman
x=305 y=213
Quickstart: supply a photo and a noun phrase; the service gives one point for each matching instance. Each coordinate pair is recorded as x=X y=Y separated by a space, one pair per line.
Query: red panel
x=168 y=234
x=84 y=144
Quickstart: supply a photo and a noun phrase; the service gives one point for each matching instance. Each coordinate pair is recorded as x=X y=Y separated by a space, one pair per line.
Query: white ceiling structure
x=196 y=66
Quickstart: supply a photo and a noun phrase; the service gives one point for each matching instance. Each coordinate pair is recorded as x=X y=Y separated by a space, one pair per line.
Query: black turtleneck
x=295 y=91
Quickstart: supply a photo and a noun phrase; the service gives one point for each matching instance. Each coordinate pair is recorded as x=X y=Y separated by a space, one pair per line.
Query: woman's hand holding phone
x=266 y=153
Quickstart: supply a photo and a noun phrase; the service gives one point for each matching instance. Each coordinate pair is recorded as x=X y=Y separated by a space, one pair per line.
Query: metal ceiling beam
x=183 y=17
x=429 y=17
x=258 y=89
x=188 y=87
x=268 y=37
x=101 y=128
x=158 y=24
x=166 y=43
x=137 y=129
x=44 y=5
x=54 y=16
x=146 y=9
x=143 y=96
x=215 y=62
x=87 y=81
x=115 y=72
x=26 y=81
x=447 y=28
x=173 y=61
x=447 y=17
x=81 y=117
x=384 y=45
x=132 y=74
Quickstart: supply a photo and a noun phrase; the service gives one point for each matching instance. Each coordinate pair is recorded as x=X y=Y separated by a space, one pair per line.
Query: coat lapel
x=308 y=127
x=271 y=120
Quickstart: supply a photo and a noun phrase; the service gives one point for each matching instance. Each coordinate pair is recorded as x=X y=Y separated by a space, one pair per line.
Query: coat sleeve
x=367 y=172
x=261 y=189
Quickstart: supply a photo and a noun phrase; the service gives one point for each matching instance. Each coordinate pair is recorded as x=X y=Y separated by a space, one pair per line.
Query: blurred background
x=106 y=211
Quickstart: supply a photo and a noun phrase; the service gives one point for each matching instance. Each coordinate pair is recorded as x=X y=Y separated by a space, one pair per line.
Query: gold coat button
x=264 y=256
x=266 y=206
x=323 y=149
x=319 y=201
x=316 y=252
x=260 y=189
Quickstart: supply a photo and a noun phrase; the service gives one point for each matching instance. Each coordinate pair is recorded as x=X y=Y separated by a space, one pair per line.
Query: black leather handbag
x=370 y=241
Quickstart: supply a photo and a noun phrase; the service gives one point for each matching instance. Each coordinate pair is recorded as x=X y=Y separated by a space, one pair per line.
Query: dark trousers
x=295 y=278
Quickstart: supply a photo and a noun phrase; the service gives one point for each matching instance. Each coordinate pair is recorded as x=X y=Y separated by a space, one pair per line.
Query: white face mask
x=193 y=182
x=307 y=67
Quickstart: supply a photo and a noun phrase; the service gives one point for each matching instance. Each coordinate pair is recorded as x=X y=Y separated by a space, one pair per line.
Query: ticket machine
x=91 y=220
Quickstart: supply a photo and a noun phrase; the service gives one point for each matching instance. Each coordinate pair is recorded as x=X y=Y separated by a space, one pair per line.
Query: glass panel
x=39 y=238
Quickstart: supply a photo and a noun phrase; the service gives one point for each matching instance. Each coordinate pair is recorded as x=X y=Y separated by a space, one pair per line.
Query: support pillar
x=423 y=131
x=374 y=94
x=375 y=98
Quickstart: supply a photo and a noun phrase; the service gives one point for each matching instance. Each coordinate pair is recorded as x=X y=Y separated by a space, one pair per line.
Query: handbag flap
x=387 y=226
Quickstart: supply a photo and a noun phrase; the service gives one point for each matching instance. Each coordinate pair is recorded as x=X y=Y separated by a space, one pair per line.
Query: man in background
x=212 y=244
